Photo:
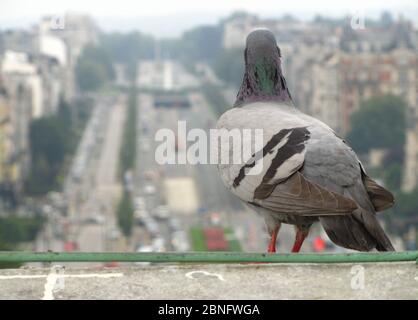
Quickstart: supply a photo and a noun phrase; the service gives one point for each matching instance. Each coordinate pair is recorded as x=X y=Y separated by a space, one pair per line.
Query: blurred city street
x=85 y=111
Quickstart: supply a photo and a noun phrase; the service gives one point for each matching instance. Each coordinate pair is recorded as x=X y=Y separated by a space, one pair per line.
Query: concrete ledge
x=395 y=280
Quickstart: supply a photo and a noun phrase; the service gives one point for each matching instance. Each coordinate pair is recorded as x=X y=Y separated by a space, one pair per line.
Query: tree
x=404 y=213
x=125 y=214
x=14 y=230
x=94 y=68
x=229 y=66
x=379 y=123
x=52 y=139
x=202 y=43
x=64 y=113
x=214 y=96
x=127 y=156
x=128 y=48
x=90 y=75
x=49 y=144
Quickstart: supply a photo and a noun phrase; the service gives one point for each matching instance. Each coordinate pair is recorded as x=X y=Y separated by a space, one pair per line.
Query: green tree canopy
x=125 y=214
x=229 y=66
x=379 y=123
x=94 y=68
x=128 y=47
x=49 y=143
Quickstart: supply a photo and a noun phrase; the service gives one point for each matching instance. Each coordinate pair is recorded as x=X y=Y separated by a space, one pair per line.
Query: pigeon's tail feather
x=373 y=226
x=361 y=230
x=347 y=232
x=366 y=215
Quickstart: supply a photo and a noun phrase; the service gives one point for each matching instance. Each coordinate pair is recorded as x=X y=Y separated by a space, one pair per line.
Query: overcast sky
x=171 y=17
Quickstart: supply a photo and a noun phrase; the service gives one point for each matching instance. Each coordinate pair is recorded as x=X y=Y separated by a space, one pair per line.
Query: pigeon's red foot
x=300 y=237
x=272 y=245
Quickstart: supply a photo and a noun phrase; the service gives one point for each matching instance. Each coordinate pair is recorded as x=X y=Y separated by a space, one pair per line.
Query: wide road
x=102 y=198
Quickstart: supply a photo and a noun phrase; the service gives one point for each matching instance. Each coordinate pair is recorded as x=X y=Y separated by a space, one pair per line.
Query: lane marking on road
x=190 y=274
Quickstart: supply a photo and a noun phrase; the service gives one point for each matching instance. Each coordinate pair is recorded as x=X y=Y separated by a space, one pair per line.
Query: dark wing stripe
x=295 y=144
x=275 y=140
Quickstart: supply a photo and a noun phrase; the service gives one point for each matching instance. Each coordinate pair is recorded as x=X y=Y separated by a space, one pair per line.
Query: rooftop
x=369 y=280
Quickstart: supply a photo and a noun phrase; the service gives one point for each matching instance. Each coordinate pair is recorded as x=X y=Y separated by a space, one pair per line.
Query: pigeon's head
x=261 y=47
x=263 y=78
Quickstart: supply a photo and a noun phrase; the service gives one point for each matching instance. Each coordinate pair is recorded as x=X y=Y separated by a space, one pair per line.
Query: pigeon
x=309 y=174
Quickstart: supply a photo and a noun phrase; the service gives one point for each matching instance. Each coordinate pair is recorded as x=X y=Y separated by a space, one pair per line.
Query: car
x=151 y=226
x=139 y=203
x=140 y=216
x=111 y=264
x=113 y=234
x=149 y=189
x=161 y=212
x=158 y=244
x=180 y=241
x=144 y=248
x=151 y=175
x=95 y=218
x=70 y=246
x=174 y=224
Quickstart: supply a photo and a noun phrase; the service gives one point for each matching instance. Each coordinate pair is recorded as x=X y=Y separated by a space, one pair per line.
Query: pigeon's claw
x=301 y=235
x=272 y=245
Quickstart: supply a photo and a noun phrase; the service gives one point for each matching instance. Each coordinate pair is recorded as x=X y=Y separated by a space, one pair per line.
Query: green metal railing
x=205 y=257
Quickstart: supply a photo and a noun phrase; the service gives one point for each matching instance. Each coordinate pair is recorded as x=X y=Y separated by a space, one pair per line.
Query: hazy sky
x=171 y=17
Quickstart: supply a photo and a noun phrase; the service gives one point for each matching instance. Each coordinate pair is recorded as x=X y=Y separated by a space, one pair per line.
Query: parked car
x=162 y=212
x=140 y=216
x=95 y=218
x=113 y=234
x=149 y=189
x=158 y=244
x=174 y=224
x=180 y=241
x=139 y=203
x=144 y=248
x=151 y=226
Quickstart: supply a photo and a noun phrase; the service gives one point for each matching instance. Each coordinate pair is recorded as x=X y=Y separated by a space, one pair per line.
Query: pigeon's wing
x=270 y=178
x=279 y=154
x=298 y=196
